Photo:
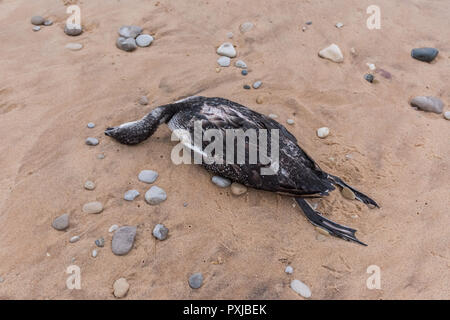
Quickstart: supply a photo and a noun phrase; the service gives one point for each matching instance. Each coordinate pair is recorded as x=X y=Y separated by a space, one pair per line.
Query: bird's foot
x=358 y=195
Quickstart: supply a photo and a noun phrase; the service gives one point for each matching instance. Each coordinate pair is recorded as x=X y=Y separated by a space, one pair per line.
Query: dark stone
x=247 y=87
x=424 y=54
x=369 y=77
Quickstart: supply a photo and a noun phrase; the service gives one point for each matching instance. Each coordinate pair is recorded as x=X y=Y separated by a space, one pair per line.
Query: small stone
x=347 y=193
x=92 y=141
x=218 y=69
x=289 y=270
x=290 y=121
x=130 y=195
x=62 y=222
x=91 y=125
x=224 y=61
x=185 y=204
x=322 y=231
x=221 y=182
x=160 y=232
x=429 y=104
x=369 y=77
x=301 y=288
x=144 y=40
x=123 y=240
x=100 y=242
x=245 y=27
x=37 y=20
x=89 y=185
x=100 y=156
x=339 y=25
x=244 y=72
x=36 y=28
x=148 y=176
x=309 y=23
x=143 y=101
x=238 y=189
x=155 y=195
x=121 y=288
x=74 y=46
x=113 y=228
x=241 y=64
x=424 y=54
x=332 y=53
x=48 y=23
x=126 y=44
x=371 y=66
x=353 y=51
x=196 y=280
x=130 y=31
x=226 y=49
x=257 y=84
x=447 y=115
x=230 y=35
x=74 y=239
x=94 y=253
x=247 y=87
x=273 y=116
x=93 y=207
x=323 y=132
x=73 y=29
x=259 y=99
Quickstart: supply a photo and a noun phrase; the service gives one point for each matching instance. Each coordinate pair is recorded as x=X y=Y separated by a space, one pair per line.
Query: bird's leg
x=358 y=195
x=333 y=228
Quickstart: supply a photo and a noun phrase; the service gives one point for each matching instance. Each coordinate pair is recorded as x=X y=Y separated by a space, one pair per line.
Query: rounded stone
x=226 y=49
x=123 y=240
x=240 y=64
x=113 y=228
x=339 y=25
x=247 y=87
x=36 y=28
x=289 y=270
x=301 y=288
x=196 y=280
x=333 y=53
x=73 y=29
x=447 y=115
x=121 y=288
x=429 y=104
x=37 y=20
x=245 y=27
x=126 y=44
x=273 y=116
x=100 y=242
x=224 y=61
x=369 y=77
x=92 y=141
x=89 y=185
x=91 y=125
x=323 y=132
x=244 y=72
x=155 y=195
x=257 y=84
x=424 y=54
x=144 y=40
x=160 y=232
x=94 y=253
x=290 y=121
x=221 y=182
x=74 y=46
x=130 y=31
x=130 y=195
x=143 y=101
x=230 y=35
x=148 y=176
x=48 y=23
x=238 y=189
x=94 y=207
x=259 y=99
x=62 y=222
x=74 y=239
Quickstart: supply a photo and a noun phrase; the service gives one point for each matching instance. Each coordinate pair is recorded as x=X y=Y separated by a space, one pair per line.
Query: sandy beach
x=378 y=143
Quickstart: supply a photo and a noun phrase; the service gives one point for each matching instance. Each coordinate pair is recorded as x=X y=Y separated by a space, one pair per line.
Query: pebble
x=155 y=195
x=257 y=84
x=121 y=288
x=37 y=20
x=447 y=115
x=221 y=182
x=304 y=28
x=62 y=222
x=36 y=28
x=289 y=270
x=244 y=72
x=100 y=156
x=93 y=207
x=74 y=46
x=429 y=104
x=143 y=101
x=89 y=185
x=91 y=125
x=424 y=54
x=130 y=31
x=160 y=232
x=301 y=288
x=369 y=77
x=126 y=44
x=323 y=132
x=226 y=49
x=347 y=193
x=74 y=239
x=230 y=35
x=247 y=87
x=123 y=240
x=259 y=99
x=92 y=141
x=290 y=121
x=371 y=66
x=196 y=280
x=48 y=23
x=148 y=176
x=94 y=253
x=273 y=116
x=72 y=29
x=100 y=242
x=332 y=53
x=241 y=64
x=144 y=40
x=245 y=27
x=224 y=61
x=339 y=25
x=309 y=23
x=113 y=228
x=130 y=195
x=238 y=189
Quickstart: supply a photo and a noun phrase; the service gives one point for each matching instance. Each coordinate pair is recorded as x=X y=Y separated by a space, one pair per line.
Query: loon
x=298 y=175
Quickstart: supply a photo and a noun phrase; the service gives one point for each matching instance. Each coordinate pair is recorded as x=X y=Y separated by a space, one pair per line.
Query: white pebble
x=301 y=288
x=89 y=185
x=230 y=35
x=289 y=270
x=74 y=239
x=323 y=132
x=241 y=64
x=113 y=228
x=332 y=53
x=144 y=40
x=130 y=195
x=74 y=46
x=273 y=116
x=290 y=121
x=339 y=25
x=224 y=61
x=226 y=49
x=246 y=26
x=148 y=176
x=447 y=115
x=94 y=253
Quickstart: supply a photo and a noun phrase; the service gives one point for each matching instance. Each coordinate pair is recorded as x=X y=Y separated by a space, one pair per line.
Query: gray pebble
x=245 y=27
x=301 y=288
x=221 y=182
x=290 y=121
x=144 y=40
x=309 y=23
x=196 y=280
x=37 y=20
x=224 y=61
x=424 y=54
x=148 y=176
x=289 y=270
x=257 y=84
x=130 y=195
x=339 y=25
x=100 y=242
x=61 y=223
x=447 y=115
x=130 y=31
x=429 y=104
x=94 y=253
x=155 y=195
x=74 y=46
x=113 y=228
x=100 y=156
x=92 y=141
x=48 y=23
x=126 y=44
x=74 y=239
x=123 y=240
x=241 y=64
x=91 y=125
x=36 y=28
x=72 y=29
x=230 y=35
x=93 y=207
x=273 y=116
x=160 y=232
x=89 y=185
x=143 y=101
